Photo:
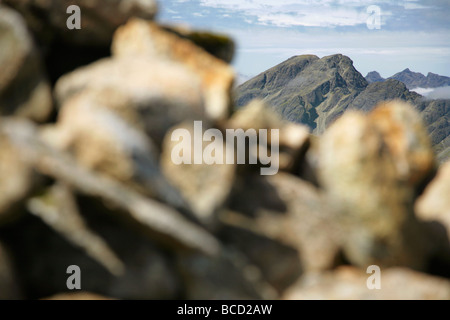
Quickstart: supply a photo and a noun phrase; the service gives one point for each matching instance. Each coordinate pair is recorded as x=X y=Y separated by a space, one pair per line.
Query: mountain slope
x=307 y=89
x=313 y=91
x=382 y=91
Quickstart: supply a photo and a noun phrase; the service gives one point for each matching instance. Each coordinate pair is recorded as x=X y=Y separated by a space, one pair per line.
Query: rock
x=226 y=277
x=291 y=212
x=219 y=45
x=371 y=172
x=205 y=187
x=17 y=179
x=24 y=90
x=58 y=208
x=433 y=207
x=348 y=283
x=9 y=286
x=149 y=93
x=139 y=38
x=150 y=274
x=293 y=138
x=407 y=139
x=278 y=263
x=153 y=217
x=98 y=21
x=96 y=128
x=434 y=204
x=77 y=296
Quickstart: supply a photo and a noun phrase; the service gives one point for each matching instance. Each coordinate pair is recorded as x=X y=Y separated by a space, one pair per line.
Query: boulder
x=205 y=187
x=407 y=139
x=17 y=179
x=348 y=283
x=225 y=277
x=153 y=217
x=139 y=38
x=149 y=273
x=24 y=89
x=434 y=203
x=151 y=93
x=293 y=139
x=370 y=167
x=77 y=296
x=9 y=285
x=433 y=208
x=291 y=212
x=103 y=136
x=219 y=45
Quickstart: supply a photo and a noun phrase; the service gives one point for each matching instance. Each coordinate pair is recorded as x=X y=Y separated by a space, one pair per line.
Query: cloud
x=439 y=93
x=415 y=33
x=434 y=93
x=286 y=13
x=385 y=51
x=397 y=14
x=423 y=91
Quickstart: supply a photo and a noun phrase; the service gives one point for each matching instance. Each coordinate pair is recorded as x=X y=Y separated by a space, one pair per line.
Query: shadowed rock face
x=315 y=92
x=99 y=20
x=24 y=89
x=349 y=284
x=370 y=167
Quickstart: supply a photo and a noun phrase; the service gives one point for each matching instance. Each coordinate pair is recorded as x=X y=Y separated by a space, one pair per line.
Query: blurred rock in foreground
x=24 y=89
x=93 y=182
x=347 y=283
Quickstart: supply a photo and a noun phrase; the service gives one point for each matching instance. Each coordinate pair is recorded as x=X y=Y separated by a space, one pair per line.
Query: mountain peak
x=302 y=86
x=374 y=76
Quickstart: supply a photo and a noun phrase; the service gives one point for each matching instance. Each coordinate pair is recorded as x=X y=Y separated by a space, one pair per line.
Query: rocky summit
x=315 y=92
x=374 y=76
x=89 y=188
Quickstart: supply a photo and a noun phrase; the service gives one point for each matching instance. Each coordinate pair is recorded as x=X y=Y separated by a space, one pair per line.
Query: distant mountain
x=418 y=80
x=412 y=79
x=374 y=76
x=313 y=91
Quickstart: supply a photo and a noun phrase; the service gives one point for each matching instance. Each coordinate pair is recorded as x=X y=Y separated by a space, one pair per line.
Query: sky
x=385 y=35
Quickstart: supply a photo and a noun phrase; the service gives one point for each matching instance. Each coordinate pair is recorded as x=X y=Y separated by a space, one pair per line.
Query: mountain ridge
x=412 y=79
